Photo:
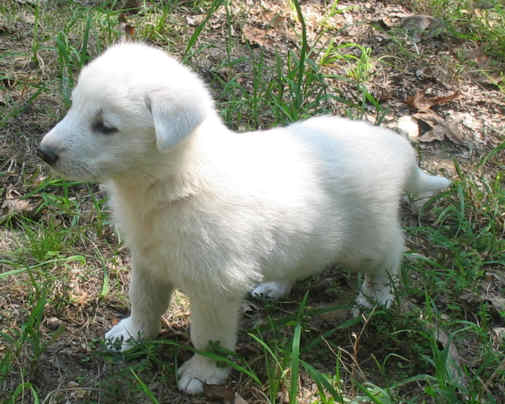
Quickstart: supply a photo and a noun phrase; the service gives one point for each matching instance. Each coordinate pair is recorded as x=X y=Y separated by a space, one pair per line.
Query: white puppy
x=216 y=213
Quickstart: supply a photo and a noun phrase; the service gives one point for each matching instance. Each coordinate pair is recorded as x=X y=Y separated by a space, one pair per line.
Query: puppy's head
x=130 y=106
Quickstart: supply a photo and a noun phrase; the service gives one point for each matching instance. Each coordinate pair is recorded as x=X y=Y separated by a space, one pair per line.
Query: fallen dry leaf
x=218 y=392
x=53 y=323
x=239 y=399
x=440 y=128
x=127 y=30
x=499 y=334
x=438 y=132
x=496 y=276
x=275 y=19
x=16 y=206
x=195 y=20
x=419 y=101
x=498 y=303
x=8 y=82
x=256 y=36
x=223 y=394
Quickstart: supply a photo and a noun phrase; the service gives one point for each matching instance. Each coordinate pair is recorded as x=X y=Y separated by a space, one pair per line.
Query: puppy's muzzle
x=48 y=154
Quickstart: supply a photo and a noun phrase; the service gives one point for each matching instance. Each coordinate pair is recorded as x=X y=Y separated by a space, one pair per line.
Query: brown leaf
x=498 y=303
x=440 y=126
x=444 y=99
x=256 y=36
x=499 y=334
x=8 y=82
x=16 y=206
x=421 y=103
x=218 y=392
x=438 y=132
x=127 y=30
x=4 y=29
x=239 y=399
x=382 y=24
x=53 y=323
x=417 y=101
x=195 y=20
x=80 y=298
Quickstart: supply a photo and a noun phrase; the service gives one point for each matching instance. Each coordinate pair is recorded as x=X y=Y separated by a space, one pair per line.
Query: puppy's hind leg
x=381 y=278
x=149 y=298
x=213 y=320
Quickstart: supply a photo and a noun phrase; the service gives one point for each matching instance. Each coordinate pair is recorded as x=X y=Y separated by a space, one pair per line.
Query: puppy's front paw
x=197 y=371
x=271 y=290
x=123 y=335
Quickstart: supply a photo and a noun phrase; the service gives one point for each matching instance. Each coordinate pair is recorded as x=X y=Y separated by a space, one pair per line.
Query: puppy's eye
x=99 y=127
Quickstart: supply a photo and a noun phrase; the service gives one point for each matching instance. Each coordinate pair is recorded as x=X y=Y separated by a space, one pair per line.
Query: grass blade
x=213 y=8
x=83 y=54
x=74 y=258
x=295 y=364
x=321 y=380
x=144 y=388
x=303 y=53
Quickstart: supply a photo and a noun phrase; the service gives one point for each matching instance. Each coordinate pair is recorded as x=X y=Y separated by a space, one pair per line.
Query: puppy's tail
x=421 y=183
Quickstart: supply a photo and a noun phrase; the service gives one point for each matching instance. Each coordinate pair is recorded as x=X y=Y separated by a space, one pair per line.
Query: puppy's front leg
x=213 y=319
x=149 y=298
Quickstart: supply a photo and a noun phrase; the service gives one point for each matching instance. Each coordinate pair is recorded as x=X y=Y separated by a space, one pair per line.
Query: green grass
x=437 y=344
x=481 y=22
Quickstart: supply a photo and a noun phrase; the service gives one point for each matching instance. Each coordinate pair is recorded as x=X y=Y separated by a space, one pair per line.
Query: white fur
x=215 y=213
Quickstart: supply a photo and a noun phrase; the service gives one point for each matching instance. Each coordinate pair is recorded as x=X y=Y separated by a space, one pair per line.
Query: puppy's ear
x=173 y=119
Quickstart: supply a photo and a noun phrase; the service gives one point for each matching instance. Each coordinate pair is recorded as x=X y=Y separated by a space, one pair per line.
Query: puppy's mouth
x=48 y=155
x=72 y=170
x=76 y=172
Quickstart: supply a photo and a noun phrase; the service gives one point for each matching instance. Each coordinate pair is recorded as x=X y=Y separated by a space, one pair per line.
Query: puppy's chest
x=182 y=247
x=143 y=228
x=174 y=233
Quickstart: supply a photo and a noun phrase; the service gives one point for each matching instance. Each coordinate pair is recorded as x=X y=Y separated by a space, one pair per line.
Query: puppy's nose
x=47 y=154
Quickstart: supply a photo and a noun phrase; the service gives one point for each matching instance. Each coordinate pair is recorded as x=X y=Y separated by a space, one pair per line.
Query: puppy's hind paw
x=197 y=371
x=271 y=290
x=384 y=298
